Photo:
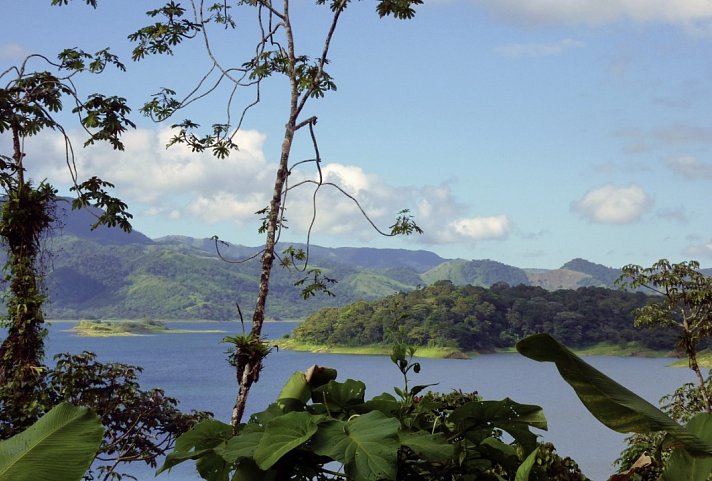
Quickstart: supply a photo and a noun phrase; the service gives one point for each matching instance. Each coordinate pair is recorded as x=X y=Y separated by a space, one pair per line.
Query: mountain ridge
x=106 y=273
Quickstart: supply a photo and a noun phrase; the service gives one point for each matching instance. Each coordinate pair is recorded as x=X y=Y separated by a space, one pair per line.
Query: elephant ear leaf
x=611 y=403
x=60 y=445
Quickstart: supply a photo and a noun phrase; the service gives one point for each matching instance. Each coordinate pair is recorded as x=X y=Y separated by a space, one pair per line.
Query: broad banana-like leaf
x=611 y=403
x=60 y=445
x=683 y=467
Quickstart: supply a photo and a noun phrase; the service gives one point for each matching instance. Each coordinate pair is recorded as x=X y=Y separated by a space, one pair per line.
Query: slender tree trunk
x=692 y=362
x=249 y=374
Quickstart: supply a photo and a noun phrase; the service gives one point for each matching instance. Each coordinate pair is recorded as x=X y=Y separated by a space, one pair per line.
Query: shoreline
x=603 y=349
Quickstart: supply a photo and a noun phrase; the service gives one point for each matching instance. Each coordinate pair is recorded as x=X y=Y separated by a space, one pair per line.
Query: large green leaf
x=433 y=447
x=476 y=420
x=682 y=466
x=243 y=445
x=296 y=391
x=283 y=434
x=614 y=405
x=340 y=396
x=367 y=445
x=198 y=443
x=59 y=446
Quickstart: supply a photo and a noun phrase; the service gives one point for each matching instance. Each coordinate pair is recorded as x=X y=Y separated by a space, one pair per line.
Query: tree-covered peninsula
x=471 y=318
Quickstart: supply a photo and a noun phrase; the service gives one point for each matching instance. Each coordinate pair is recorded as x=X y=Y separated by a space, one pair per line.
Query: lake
x=192 y=368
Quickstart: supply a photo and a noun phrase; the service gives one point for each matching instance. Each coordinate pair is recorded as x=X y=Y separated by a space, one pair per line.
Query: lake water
x=192 y=368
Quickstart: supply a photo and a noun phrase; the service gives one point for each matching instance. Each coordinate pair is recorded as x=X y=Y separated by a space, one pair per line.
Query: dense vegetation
x=477 y=318
x=128 y=276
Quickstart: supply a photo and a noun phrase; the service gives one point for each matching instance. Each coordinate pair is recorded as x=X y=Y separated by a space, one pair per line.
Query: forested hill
x=473 y=318
x=107 y=273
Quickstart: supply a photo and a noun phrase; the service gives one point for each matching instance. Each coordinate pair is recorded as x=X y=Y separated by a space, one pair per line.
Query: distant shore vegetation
x=467 y=319
x=99 y=328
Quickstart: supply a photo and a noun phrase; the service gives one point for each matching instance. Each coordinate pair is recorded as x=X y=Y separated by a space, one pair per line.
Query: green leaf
x=297 y=389
x=385 y=403
x=283 y=434
x=526 y=466
x=433 y=447
x=340 y=396
x=59 y=446
x=243 y=445
x=367 y=445
x=477 y=419
x=614 y=405
x=198 y=443
x=682 y=466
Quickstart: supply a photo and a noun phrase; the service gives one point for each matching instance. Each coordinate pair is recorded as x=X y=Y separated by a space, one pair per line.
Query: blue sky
x=530 y=133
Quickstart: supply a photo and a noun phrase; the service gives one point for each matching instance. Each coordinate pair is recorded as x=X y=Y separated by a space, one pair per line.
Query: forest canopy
x=474 y=318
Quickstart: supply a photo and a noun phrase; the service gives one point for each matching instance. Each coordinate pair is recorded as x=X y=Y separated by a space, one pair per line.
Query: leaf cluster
x=624 y=411
x=318 y=421
x=140 y=425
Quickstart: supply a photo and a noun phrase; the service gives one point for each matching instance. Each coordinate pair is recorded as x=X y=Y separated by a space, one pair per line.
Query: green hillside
x=107 y=273
x=472 y=318
x=476 y=272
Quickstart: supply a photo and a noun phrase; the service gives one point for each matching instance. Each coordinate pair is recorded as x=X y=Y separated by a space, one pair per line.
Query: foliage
x=684 y=304
x=476 y=318
x=274 y=54
x=60 y=445
x=141 y=426
x=29 y=101
x=321 y=429
x=624 y=411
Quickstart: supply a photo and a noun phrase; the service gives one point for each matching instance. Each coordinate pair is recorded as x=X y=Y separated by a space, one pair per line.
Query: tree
x=684 y=303
x=275 y=54
x=30 y=101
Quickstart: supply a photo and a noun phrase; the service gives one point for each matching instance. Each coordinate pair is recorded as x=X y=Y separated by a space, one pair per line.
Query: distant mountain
x=574 y=274
x=78 y=222
x=107 y=273
x=482 y=273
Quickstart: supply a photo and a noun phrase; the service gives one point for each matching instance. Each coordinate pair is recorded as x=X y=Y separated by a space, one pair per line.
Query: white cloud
x=482 y=228
x=690 y=167
x=149 y=174
x=12 y=51
x=613 y=204
x=177 y=184
x=538 y=49
x=694 y=15
x=699 y=250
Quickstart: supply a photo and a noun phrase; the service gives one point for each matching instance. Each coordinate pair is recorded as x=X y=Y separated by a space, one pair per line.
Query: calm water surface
x=192 y=368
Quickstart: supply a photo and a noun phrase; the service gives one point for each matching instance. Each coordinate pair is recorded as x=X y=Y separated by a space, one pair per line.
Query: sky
x=529 y=133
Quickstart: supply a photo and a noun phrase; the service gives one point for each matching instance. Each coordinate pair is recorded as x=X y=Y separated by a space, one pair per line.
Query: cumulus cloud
x=694 y=15
x=482 y=228
x=690 y=167
x=148 y=173
x=177 y=184
x=613 y=204
x=539 y=49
